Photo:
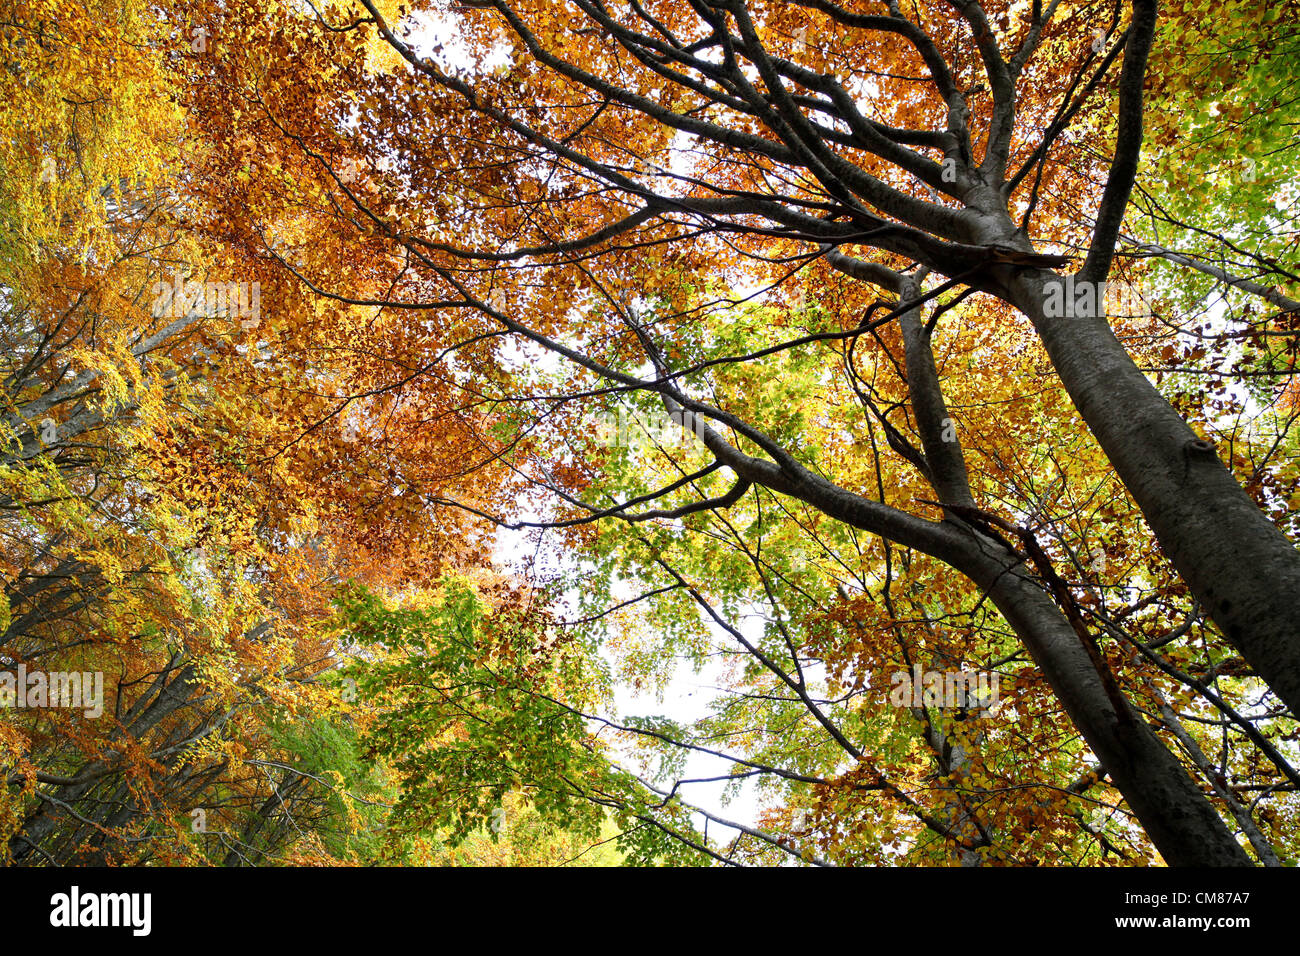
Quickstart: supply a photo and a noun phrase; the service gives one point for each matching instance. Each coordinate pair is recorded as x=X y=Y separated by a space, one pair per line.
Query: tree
x=596 y=158
x=759 y=318
x=164 y=527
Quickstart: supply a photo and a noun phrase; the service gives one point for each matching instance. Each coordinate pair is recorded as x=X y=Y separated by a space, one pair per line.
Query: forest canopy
x=649 y=432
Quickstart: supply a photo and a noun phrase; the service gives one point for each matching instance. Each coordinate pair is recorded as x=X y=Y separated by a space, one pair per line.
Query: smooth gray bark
x=1173 y=810
x=1242 y=569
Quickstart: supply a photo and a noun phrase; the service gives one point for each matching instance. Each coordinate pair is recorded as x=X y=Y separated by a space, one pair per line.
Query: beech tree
x=817 y=343
x=152 y=533
x=944 y=156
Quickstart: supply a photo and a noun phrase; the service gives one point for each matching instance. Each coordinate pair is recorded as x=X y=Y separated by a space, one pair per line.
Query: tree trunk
x=1176 y=814
x=1241 y=568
